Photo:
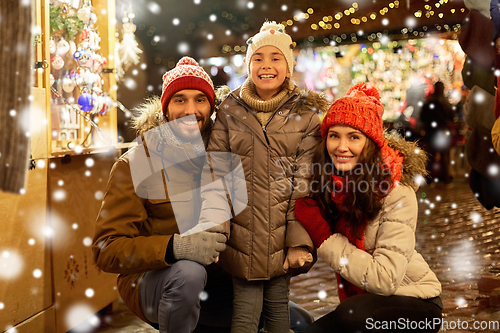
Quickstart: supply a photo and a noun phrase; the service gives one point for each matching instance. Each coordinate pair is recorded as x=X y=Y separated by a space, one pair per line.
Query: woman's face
x=345 y=145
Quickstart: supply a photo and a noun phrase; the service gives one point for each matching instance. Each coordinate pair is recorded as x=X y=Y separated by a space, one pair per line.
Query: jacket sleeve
x=296 y=234
x=118 y=246
x=382 y=271
x=215 y=180
x=495 y=135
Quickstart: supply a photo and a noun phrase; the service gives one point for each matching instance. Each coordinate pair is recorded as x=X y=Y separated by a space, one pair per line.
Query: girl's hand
x=297 y=257
x=308 y=213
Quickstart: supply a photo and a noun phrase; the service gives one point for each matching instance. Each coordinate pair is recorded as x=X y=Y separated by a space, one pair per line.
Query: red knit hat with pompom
x=187 y=74
x=362 y=109
x=359 y=108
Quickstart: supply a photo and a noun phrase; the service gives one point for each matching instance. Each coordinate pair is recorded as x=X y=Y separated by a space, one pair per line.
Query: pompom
x=364 y=88
x=187 y=61
x=270 y=25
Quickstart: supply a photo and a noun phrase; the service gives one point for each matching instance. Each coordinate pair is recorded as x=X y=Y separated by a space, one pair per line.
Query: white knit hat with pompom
x=273 y=34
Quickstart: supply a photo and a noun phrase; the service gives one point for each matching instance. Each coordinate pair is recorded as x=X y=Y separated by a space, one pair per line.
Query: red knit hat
x=187 y=74
x=362 y=109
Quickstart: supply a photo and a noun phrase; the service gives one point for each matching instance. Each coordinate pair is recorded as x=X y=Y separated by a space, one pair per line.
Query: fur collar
x=415 y=159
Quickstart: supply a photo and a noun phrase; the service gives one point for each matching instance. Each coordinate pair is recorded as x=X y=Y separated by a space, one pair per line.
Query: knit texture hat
x=362 y=109
x=187 y=74
x=272 y=34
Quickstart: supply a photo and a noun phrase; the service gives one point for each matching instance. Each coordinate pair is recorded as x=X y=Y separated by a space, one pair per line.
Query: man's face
x=188 y=102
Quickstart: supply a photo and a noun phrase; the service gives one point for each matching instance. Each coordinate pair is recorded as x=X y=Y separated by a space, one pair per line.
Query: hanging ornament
x=84 y=14
x=85 y=34
x=57 y=62
x=86 y=102
x=103 y=107
x=83 y=58
x=94 y=41
x=95 y=104
x=52 y=46
x=93 y=19
x=90 y=62
x=68 y=84
x=77 y=55
x=98 y=63
x=52 y=79
x=72 y=47
x=62 y=47
x=129 y=48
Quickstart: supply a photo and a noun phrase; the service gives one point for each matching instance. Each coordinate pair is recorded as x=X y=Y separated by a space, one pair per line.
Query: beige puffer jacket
x=272 y=157
x=495 y=135
x=390 y=265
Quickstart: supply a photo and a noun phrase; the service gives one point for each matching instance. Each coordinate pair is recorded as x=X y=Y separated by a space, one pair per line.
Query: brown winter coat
x=272 y=157
x=132 y=232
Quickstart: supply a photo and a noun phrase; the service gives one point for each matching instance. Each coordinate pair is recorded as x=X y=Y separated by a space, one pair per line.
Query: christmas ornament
x=72 y=47
x=57 y=62
x=52 y=79
x=90 y=62
x=85 y=34
x=103 y=107
x=68 y=84
x=62 y=47
x=86 y=102
x=84 y=14
x=83 y=58
x=129 y=48
x=52 y=46
x=96 y=105
x=93 y=19
x=98 y=60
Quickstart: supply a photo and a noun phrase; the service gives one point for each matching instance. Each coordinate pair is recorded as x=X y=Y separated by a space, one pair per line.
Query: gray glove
x=203 y=247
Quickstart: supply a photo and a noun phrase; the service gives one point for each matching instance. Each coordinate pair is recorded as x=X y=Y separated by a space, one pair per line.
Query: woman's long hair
x=359 y=206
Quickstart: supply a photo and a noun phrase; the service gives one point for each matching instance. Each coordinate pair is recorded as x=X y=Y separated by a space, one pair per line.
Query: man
x=437 y=118
x=152 y=196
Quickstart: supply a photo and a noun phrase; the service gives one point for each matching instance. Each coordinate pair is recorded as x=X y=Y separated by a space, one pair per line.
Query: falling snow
x=89 y=292
x=11 y=265
x=475 y=217
x=203 y=296
x=154 y=8
x=87 y=241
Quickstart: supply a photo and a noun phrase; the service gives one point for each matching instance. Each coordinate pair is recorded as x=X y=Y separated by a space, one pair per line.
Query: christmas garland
x=72 y=25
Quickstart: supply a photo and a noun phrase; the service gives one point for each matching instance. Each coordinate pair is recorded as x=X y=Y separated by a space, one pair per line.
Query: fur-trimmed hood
x=415 y=160
x=149 y=114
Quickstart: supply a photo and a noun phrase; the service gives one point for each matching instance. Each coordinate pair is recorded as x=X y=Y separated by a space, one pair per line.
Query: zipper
x=263 y=126
x=265 y=134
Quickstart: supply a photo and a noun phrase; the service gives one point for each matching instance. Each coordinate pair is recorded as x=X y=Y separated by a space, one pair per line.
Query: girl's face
x=345 y=145
x=268 y=70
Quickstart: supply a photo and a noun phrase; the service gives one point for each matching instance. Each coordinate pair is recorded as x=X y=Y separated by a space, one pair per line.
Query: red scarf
x=345 y=288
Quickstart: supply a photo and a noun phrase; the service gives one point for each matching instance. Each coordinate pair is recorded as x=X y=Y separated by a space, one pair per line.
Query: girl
x=364 y=223
x=273 y=128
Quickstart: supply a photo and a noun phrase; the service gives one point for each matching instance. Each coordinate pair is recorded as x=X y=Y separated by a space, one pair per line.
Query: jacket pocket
x=174 y=210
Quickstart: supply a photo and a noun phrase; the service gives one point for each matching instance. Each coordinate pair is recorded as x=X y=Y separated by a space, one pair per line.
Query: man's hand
x=203 y=247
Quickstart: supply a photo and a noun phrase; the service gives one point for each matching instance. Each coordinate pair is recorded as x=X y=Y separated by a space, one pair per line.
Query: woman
x=362 y=215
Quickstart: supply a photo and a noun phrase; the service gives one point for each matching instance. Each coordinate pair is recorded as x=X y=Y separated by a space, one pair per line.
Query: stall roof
x=201 y=28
